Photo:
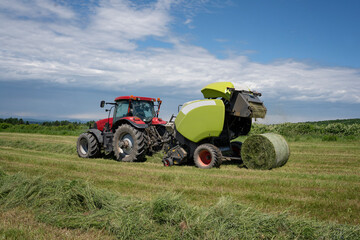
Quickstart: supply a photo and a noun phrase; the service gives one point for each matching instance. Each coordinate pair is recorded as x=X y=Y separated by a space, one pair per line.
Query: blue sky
x=59 y=59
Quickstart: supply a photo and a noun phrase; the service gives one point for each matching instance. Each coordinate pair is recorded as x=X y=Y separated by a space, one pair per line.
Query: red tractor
x=135 y=130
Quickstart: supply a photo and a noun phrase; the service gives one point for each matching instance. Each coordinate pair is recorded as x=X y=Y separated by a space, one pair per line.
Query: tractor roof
x=135 y=98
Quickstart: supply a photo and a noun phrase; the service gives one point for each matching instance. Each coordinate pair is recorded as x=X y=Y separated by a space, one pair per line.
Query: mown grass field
x=321 y=180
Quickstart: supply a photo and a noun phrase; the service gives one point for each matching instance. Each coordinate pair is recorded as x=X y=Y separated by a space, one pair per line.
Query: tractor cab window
x=122 y=109
x=143 y=109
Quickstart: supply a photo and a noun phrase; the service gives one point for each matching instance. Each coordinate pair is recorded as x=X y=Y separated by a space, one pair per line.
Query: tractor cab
x=138 y=111
x=142 y=108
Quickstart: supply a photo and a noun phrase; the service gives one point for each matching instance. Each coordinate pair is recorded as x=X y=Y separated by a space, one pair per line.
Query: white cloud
x=19 y=114
x=188 y=21
x=123 y=21
x=35 y=9
x=87 y=116
x=104 y=54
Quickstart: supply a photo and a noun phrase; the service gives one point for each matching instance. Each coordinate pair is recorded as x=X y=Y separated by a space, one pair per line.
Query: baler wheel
x=207 y=156
x=128 y=144
x=87 y=146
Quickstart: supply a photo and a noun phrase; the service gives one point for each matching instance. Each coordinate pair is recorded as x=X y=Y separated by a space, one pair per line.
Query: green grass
x=70 y=129
x=20 y=223
x=77 y=205
x=320 y=181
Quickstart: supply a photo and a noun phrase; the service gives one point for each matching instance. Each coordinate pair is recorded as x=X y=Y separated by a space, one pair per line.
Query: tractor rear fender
x=128 y=120
x=158 y=121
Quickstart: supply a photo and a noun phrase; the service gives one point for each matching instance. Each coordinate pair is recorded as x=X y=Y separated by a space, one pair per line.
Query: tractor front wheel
x=87 y=146
x=207 y=156
x=129 y=144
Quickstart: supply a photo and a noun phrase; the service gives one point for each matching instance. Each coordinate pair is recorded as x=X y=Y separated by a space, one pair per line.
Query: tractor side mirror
x=102 y=103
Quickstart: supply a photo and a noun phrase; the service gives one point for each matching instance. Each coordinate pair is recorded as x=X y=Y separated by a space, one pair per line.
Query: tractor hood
x=218 y=89
x=101 y=123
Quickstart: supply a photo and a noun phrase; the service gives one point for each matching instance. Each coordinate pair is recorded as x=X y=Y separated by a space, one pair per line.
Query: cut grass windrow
x=320 y=181
x=76 y=204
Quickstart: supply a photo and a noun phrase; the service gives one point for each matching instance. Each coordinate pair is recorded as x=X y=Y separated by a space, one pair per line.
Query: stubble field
x=320 y=182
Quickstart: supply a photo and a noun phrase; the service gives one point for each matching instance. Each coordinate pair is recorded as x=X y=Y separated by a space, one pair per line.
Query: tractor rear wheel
x=87 y=146
x=207 y=156
x=129 y=144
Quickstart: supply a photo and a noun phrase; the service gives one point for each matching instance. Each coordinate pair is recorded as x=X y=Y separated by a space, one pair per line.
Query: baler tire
x=207 y=156
x=135 y=137
x=219 y=159
x=87 y=146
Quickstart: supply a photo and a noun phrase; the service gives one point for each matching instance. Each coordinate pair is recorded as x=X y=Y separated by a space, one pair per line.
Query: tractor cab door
x=121 y=110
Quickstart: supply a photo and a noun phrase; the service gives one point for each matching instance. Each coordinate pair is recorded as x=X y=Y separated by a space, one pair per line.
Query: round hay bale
x=265 y=151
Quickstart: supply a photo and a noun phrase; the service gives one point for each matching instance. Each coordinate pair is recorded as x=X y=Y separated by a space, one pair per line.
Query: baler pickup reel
x=246 y=104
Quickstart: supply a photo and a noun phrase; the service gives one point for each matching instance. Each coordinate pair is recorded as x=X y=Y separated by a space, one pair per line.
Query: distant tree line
x=18 y=121
x=343 y=121
x=13 y=121
x=48 y=127
x=61 y=123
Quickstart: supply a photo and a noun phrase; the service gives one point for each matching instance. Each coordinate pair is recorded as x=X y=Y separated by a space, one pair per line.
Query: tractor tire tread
x=138 y=151
x=93 y=150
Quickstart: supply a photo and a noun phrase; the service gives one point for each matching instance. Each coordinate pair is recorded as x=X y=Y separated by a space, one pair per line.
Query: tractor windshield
x=143 y=109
